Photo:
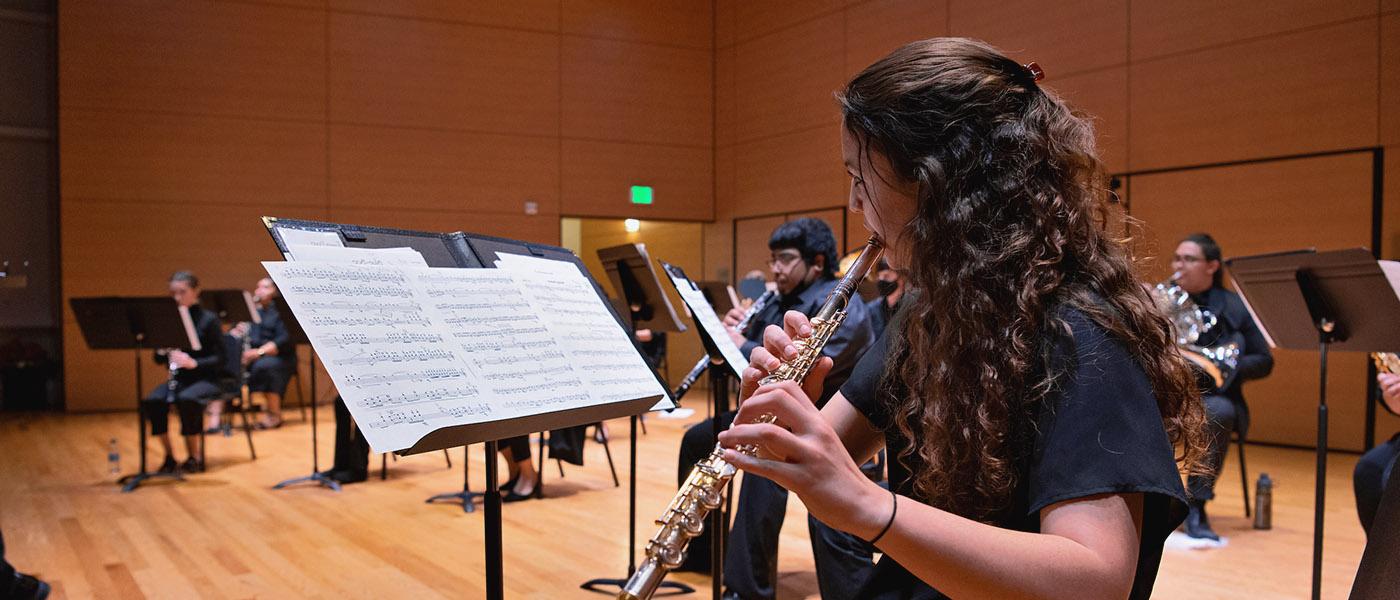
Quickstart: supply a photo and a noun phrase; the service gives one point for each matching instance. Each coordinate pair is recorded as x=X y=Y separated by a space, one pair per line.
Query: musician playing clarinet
x=1030 y=395
x=803 y=264
x=194 y=376
x=270 y=358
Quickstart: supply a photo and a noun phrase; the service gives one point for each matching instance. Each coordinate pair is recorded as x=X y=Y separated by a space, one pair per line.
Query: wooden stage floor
x=227 y=534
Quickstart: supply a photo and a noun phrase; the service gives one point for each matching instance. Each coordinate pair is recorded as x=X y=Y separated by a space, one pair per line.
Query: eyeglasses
x=1190 y=260
x=784 y=259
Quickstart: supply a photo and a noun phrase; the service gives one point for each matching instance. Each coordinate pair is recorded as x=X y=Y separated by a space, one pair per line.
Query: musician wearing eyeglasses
x=802 y=264
x=1198 y=272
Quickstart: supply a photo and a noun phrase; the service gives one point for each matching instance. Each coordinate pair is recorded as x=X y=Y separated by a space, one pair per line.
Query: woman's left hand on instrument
x=803 y=454
x=182 y=360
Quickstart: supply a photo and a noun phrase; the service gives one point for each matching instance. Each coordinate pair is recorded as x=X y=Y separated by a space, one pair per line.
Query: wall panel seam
x=1254 y=39
x=604 y=38
x=793 y=25
x=442 y=21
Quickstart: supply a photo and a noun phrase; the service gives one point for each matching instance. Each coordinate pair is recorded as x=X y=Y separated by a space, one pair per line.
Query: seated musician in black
x=271 y=357
x=891 y=286
x=803 y=264
x=1197 y=264
x=195 y=378
x=1374 y=469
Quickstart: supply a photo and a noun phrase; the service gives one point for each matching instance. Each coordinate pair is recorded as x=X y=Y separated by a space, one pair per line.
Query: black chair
x=231 y=392
x=598 y=435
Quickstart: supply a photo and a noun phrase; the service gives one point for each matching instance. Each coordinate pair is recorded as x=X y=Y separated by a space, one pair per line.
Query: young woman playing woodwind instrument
x=1036 y=413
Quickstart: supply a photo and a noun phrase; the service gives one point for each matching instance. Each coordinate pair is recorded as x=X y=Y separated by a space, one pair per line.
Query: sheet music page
x=358 y=256
x=504 y=341
x=384 y=347
x=252 y=307
x=305 y=237
x=600 y=350
x=1392 y=274
x=190 y=333
x=705 y=315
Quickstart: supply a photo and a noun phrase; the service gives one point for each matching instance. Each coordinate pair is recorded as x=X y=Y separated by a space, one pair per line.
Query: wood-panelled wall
x=184 y=121
x=1168 y=84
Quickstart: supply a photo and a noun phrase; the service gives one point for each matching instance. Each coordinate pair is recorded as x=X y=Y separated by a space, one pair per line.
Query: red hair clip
x=1036 y=72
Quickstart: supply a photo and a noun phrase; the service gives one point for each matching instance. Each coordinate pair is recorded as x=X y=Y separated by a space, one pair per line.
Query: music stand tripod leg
x=134 y=480
x=467 y=497
x=315 y=475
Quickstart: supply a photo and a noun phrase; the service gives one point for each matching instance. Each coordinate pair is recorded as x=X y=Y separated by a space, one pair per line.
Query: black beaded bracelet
x=894 y=510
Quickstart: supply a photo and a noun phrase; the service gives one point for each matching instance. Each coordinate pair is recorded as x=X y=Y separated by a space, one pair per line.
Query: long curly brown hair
x=1011 y=225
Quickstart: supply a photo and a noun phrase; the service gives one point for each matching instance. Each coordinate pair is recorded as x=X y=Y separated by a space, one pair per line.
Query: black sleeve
x=1099 y=430
x=861 y=389
x=211 y=338
x=280 y=337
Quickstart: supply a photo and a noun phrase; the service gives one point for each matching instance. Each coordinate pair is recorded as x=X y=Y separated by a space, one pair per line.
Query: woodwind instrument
x=704 y=362
x=703 y=489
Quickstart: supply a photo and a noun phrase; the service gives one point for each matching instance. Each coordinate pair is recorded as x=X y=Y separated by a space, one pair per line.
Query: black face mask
x=886 y=287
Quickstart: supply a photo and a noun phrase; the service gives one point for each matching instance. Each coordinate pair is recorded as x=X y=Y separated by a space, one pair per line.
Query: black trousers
x=269 y=374
x=190 y=398
x=1222 y=416
x=1369 y=479
x=843 y=561
x=519 y=447
x=351 y=447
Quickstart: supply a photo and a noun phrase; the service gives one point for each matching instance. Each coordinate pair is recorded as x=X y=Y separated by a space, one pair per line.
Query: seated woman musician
x=1375 y=467
x=194 y=376
x=271 y=355
x=1036 y=413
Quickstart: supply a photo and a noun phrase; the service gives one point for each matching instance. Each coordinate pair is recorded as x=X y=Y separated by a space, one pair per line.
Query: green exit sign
x=641 y=194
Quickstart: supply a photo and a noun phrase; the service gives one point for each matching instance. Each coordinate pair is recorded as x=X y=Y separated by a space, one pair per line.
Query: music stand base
x=676 y=587
x=134 y=480
x=468 y=499
x=314 y=477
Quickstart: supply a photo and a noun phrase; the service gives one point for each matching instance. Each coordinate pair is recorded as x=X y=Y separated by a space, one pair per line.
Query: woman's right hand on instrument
x=778 y=348
x=1390 y=390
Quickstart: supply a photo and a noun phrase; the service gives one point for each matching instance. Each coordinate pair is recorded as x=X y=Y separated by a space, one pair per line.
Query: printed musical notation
x=414 y=349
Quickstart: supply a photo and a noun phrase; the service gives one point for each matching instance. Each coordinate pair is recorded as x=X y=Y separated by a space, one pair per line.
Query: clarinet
x=170 y=385
x=703 y=489
x=704 y=362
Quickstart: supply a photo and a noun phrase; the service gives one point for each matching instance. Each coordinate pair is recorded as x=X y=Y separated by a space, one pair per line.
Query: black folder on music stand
x=1309 y=300
x=629 y=269
x=231 y=306
x=136 y=324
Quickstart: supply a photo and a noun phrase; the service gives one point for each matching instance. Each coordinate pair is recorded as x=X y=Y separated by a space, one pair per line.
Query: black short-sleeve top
x=1097 y=431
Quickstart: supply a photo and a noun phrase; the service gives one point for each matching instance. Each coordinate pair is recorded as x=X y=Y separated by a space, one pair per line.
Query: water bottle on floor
x=1264 y=502
x=114 y=458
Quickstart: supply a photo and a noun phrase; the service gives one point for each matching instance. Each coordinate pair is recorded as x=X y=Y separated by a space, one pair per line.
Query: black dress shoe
x=1198 y=525
x=191 y=465
x=511 y=496
x=345 y=476
x=169 y=466
x=27 y=587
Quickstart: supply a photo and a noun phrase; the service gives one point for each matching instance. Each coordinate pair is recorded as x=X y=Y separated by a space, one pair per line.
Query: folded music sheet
x=414 y=349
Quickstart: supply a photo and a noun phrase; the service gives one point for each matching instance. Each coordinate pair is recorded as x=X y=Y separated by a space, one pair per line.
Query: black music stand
x=623 y=264
x=462 y=250
x=298 y=336
x=719 y=390
x=232 y=306
x=1337 y=300
x=720 y=294
x=136 y=324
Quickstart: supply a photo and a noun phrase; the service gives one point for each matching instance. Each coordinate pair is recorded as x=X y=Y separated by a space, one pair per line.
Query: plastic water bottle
x=114 y=458
x=1264 y=502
